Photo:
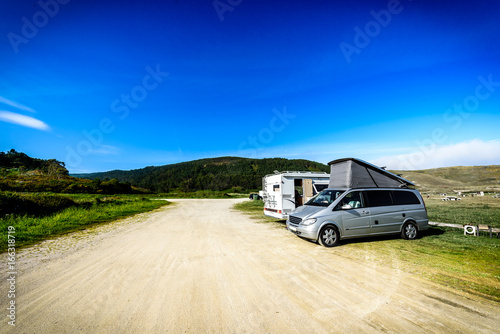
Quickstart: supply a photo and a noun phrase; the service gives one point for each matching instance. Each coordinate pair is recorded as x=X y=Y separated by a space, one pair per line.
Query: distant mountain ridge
x=234 y=172
x=208 y=174
x=19 y=172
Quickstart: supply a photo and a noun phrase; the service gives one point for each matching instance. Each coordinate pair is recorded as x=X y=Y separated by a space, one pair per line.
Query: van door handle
x=365 y=212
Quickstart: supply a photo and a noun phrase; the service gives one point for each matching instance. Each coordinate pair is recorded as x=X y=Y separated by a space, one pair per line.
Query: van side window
x=404 y=197
x=353 y=199
x=378 y=197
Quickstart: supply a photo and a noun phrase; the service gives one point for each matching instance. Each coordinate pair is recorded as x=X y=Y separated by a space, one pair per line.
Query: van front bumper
x=307 y=232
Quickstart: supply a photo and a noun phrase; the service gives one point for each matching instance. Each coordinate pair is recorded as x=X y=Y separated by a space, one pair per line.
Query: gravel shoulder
x=200 y=266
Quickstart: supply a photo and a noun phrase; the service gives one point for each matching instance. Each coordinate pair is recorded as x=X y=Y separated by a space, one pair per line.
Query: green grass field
x=86 y=211
x=200 y=194
x=469 y=210
x=442 y=255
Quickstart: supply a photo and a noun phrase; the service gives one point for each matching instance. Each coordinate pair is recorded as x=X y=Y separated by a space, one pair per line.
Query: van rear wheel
x=410 y=231
x=329 y=236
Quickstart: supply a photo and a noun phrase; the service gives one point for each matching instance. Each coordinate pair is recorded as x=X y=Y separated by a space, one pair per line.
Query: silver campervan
x=361 y=200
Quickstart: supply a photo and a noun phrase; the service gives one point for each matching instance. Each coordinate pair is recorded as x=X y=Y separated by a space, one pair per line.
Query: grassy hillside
x=208 y=174
x=449 y=179
x=476 y=175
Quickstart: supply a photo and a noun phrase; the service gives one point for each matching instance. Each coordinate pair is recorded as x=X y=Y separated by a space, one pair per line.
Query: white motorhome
x=282 y=192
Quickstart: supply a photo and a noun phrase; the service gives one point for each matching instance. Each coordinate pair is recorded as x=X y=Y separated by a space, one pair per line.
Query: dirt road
x=200 y=267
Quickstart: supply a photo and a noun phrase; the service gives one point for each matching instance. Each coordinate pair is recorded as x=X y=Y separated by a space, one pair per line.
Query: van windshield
x=325 y=198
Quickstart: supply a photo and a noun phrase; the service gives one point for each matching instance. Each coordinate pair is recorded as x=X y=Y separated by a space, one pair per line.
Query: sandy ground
x=201 y=267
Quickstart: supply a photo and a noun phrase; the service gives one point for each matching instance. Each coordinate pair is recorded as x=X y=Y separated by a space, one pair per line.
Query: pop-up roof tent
x=355 y=173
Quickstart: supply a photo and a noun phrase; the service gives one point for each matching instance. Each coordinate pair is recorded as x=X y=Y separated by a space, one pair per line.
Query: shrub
x=33 y=204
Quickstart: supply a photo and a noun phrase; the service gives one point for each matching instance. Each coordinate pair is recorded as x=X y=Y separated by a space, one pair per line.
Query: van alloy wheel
x=410 y=231
x=329 y=236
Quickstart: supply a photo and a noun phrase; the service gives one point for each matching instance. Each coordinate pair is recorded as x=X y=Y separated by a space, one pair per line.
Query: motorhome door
x=308 y=189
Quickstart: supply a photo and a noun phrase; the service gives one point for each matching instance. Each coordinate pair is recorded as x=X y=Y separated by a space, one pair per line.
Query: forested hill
x=208 y=174
x=23 y=162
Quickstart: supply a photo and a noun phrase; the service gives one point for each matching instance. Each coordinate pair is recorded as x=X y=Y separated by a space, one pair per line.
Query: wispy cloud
x=27 y=121
x=469 y=153
x=106 y=150
x=16 y=105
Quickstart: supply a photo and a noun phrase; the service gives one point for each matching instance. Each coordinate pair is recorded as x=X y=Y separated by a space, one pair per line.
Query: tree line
x=22 y=173
x=209 y=174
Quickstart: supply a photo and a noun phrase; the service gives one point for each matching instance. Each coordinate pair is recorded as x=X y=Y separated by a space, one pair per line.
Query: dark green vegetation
x=22 y=162
x=215 y=174
x=218 y=174
x=21 y=173
x=33 y=204
x=442 y=255
x=40 y=200
x=231 y=193
x=25 y=182
x=37 y=217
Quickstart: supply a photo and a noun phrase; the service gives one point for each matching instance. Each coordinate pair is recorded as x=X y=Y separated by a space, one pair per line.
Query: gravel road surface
x=201 y=267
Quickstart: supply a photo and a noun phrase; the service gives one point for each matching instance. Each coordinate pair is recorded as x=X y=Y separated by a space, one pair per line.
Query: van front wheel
x=329 y=236
x=409 y=231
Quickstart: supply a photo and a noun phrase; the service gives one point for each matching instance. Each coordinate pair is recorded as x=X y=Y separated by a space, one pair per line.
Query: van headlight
x=308 y=222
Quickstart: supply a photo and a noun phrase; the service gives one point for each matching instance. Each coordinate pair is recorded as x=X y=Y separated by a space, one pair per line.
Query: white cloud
x=23 y=120
x=15 y=105
x=106 y=150
x=469 y=153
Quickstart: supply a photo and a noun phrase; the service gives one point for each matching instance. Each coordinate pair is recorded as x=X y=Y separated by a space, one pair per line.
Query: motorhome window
x=402 y=197
x=325 y=198
x=276 y=187
x=319 y=188
x=379 y=197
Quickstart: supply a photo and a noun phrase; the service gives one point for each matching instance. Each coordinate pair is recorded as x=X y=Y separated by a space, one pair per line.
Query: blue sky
x=105 y=85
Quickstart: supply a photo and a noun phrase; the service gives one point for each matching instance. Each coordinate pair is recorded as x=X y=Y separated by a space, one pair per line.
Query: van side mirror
x=346 y=207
